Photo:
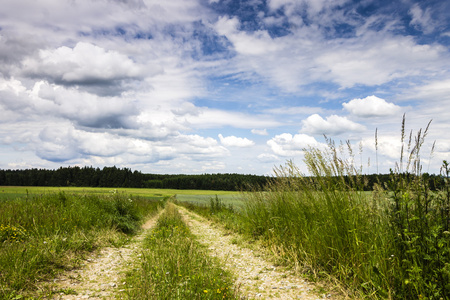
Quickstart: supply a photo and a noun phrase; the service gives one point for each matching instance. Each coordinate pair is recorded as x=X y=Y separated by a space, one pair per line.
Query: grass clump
x=41 y=235
x=323 y=224
x=175 y=266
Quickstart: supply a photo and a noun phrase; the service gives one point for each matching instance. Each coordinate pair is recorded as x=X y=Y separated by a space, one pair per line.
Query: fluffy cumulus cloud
x=85 y=65
x=332 y=125
x=233 y=141
x=68 y=144
x=289 y=145
x=371 y=106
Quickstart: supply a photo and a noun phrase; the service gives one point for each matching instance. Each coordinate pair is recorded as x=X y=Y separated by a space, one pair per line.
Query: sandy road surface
x=101 y=275
x=257 y=278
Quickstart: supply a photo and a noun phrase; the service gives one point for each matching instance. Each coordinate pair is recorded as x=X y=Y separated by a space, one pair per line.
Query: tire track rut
x=256 y=277
x=100 y=277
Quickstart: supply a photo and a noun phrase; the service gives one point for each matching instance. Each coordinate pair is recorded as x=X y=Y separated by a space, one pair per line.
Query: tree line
x=124 y=177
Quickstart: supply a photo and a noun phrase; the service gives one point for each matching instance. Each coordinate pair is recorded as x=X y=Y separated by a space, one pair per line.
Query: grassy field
x=11 y=192
x=45 y=230
x=44 y=233
x=234 y=199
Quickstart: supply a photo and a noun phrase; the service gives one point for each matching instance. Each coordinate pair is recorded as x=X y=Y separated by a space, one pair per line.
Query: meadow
x=46 y=230
x=46 y=233
x=11 y=192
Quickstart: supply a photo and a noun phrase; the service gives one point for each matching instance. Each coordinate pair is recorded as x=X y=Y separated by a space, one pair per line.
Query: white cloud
x=84 y=64
x=233 y=141
x=314 y=7
x=210 y=118
x=256 y=43
x=388 y=145
x=371 y=106
x=434 y=91
x=333 y=125
x=268 y=158
x=197 y=146
x=289 y=146
x=293 y=110
x=307 y=55
x=421 y=20
x=260 y=131
x=373 y=59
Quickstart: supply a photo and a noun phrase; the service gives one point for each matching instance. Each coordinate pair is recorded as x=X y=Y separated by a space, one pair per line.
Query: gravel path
x=101 y=275
x=257 y=278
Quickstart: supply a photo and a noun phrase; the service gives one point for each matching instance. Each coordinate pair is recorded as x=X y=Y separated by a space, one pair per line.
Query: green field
x=46 y=230
x=12 y=192
x=234 y=199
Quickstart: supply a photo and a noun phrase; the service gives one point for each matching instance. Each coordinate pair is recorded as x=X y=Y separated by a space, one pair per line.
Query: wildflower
x=205 y=291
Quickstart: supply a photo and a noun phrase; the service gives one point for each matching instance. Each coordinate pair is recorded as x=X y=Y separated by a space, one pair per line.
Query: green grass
x=233 y=199
x=12 y=192
x=44 y=234
x=175 y=266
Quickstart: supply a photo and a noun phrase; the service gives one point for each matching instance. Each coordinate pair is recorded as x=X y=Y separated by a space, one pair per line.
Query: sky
x=220 y=86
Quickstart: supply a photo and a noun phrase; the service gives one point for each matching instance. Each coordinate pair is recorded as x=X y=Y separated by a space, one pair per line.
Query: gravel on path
x=256 y=277
x=100 y=276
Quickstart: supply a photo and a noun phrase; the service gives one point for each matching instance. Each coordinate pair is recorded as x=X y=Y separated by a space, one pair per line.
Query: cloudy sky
x=219 y=86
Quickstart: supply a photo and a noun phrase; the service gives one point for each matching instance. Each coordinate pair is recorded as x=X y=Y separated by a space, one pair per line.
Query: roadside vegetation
x=44 y=234
x=390 y=243
x=175 y=266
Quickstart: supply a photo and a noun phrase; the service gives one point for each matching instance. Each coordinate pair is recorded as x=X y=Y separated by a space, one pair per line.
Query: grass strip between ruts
x=175 y=266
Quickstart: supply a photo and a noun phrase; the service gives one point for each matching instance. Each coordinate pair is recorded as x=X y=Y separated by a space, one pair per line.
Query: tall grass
x=419 y=223
x=175 y=266
x=324 y=224
x=40 y=235
x=389 y=243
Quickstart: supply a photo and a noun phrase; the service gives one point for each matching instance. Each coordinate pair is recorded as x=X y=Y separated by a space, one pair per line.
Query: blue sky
x=219 y=86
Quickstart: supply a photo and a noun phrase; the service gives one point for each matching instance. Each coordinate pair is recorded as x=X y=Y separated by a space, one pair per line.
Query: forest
x=124 y=177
